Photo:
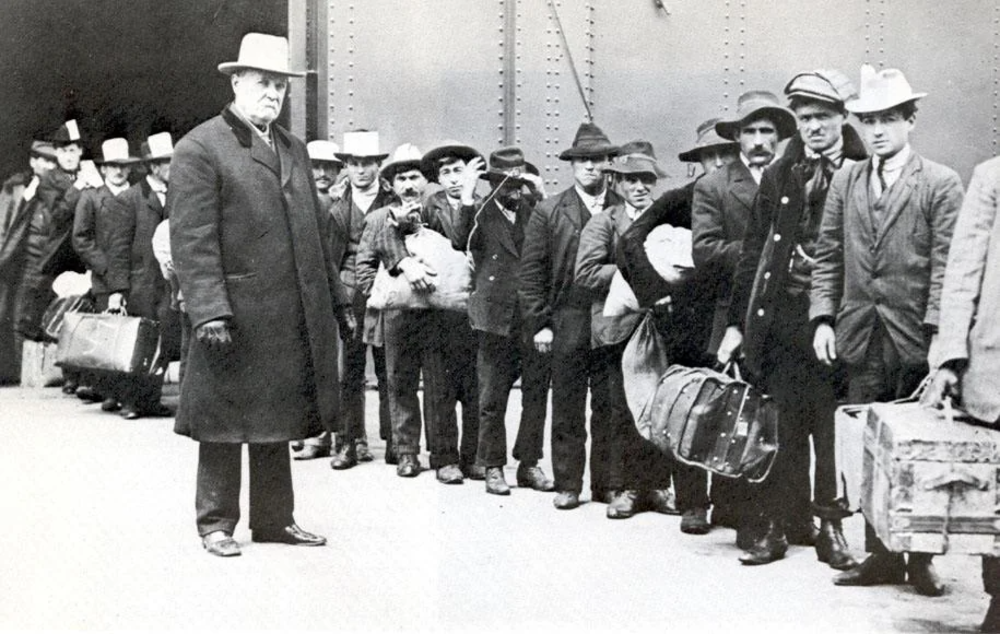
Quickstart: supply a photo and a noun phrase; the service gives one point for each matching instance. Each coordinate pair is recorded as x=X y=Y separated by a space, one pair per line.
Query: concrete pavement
x=99 y=533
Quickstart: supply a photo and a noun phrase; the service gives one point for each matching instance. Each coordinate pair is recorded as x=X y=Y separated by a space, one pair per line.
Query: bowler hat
x=507 y=163
x=43 y=149
x=446 y=149
x=758 y=104
x=406 y=157
x=831 y=86
x=590 y=141
x=158 y=147
x=115 y=152
x=258 y=51
x=637 y=157
x=882 y=90
x=68 y=132
x=323 y=150
x=361 y=144
x=707 y=138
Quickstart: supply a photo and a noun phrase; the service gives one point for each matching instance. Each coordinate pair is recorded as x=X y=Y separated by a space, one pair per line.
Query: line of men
x=68 y=216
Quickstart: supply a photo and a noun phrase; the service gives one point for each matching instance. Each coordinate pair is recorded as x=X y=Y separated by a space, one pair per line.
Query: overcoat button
x=492 y=278
x=760 y=312
x=784 y=200
x=767 y=275
x=777 y=237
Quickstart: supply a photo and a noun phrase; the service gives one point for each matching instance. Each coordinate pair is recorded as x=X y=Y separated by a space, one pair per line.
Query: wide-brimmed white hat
x=406 y=157
x=321 y=150
x=882 y=90
x=262 y=52
x=115 y=152
x=158 y=147
x=362 y=144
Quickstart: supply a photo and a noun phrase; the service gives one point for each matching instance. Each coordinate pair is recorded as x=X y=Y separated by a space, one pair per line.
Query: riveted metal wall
x=498 y=71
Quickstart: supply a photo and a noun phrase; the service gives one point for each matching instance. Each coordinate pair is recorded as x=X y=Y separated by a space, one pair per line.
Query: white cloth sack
x=669 y=251
x=621 y=299
x=452 y=283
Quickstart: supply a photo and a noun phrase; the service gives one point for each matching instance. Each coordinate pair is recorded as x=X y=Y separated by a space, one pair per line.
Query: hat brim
x=494 y=175
x=656 y=171
x=430 y=159
x=389 y=171
x=132 y=160
x=694 y=154
x=327 y=159
x=865 y=106
x=344 y=156
x=589 y=152
x=228 y=68
x=783 y=119
x=159 y=157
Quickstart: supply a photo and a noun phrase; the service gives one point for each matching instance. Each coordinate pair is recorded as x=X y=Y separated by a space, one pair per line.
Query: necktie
x=880 y=172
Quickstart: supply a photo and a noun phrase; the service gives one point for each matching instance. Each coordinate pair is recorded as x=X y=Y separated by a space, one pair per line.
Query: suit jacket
x=58 y=199
x=96 y=239
x=970 y=298
x=595 y=266
x=760 y=278
x=250 y=245
x=140 y=212
x=892 y=273
x=547 y=294
x=346 y=226
x=719 y=211
x=493 y=305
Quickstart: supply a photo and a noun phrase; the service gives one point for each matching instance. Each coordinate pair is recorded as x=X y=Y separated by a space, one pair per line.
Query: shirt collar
x=364 y=198
x=895 y=162
x=156 y=184
x=594 y=203
x=633 y=212
x=755 y=171
x=834 y=153
x=264 y=134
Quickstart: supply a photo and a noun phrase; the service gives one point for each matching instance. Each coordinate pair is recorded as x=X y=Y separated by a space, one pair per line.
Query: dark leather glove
x=348 y=324
x=214 y=334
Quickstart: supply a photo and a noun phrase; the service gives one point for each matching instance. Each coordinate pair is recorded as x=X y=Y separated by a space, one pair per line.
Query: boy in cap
x=779 y=248
x=557 y=316
x=363 y=194
x=876 y=282
x=495 y=246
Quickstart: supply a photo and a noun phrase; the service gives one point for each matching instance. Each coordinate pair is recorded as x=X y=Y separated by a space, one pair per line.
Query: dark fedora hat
x=429 y=163
x=758 y=104
x=508 y=163
x=590 y=141
x=637 y=157
x=707 y=138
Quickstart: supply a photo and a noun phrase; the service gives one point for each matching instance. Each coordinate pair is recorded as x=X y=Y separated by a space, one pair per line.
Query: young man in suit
x=876 y=283
x=495 y=246
x=556 y=317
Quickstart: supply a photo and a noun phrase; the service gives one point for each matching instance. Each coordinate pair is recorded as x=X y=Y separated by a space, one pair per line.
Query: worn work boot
x=450 y=474
x=695 y=521
x=566 y=500
x=878 y=569
x=831 y=546
x=662 y=501
x=802 y=533
x=769 y=548
x=408 y=465
x=623 y=505
x=921 y=574
x=531 y=476
x=495 y=481
x=345 y=458
x=361 y=450
x=312 y=452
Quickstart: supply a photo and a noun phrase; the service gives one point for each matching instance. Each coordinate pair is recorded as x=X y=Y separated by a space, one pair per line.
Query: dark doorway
x=120 y=68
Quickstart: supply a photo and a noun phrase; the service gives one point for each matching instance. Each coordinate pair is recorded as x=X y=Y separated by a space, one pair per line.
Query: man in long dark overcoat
x=249 y=246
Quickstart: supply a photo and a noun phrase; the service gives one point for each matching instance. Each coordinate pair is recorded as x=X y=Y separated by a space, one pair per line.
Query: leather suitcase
x=53 y=317
x=114 y=343
x=930 y=485
x=38 y=367
x=849 y=447
x=714 y=421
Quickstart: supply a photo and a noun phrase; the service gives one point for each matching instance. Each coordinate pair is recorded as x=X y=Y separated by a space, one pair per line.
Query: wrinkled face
x=68 y=156
x=886 y=132
x=40 y=165
x=589 y=172
x=450 y=172
x=361 y=171
x=409 y=185
x=759 y=141
x=820 y=124
x=637 y=189
x=714 y=158
x=115 y=174
x=161 y=170
x=259 y=95
x=325 y=174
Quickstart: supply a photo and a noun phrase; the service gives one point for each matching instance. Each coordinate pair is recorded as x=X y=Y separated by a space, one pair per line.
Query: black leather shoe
x=802 y=533
x=566 y=500
x=877 y=569
x=89 y=394
x=69 y=388
x=750 y=531
x=662 y=501
x=921 y=574
x=531 y=476
x=409 y=465
x=345 y=458
x=130 y=413
x=831 y=546
x=311 y=452
x=604 y=496
x=220 y=544
x=290 y=534
x=362 y=451
x=769 y=548
x=473 y=471
x=110 y=405
x=156 y=410
x=624 y=505
x=695 y=521
x=495 y=481
x=991 y=622
x=450 y=474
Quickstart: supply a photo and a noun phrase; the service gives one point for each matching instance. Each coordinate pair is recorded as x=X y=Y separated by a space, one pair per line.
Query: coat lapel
x=573 y=208
x=899 y=195
x=741 y=183
x=498 y=228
